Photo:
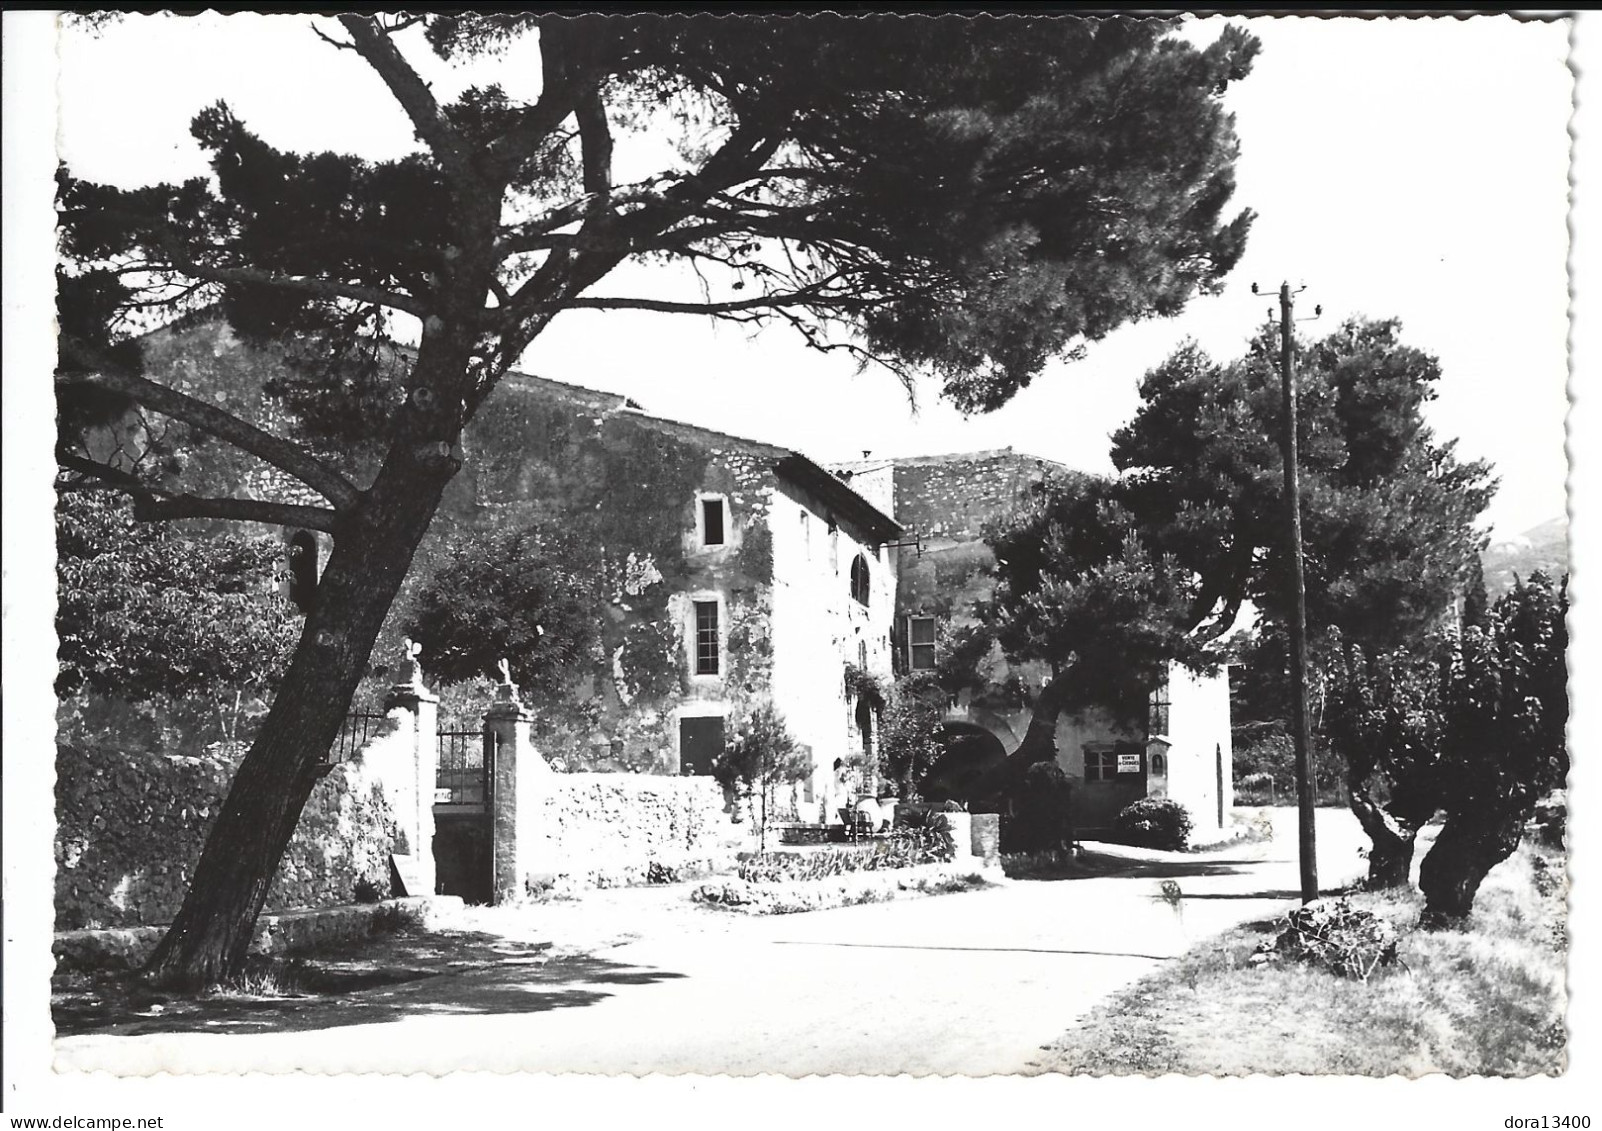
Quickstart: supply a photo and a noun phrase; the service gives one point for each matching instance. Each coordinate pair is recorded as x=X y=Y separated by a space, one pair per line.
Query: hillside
x=1543 y=547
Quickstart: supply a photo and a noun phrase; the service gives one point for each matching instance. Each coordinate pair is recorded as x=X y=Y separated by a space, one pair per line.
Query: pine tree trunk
x=211 y=934
x=1040 y=739
x=1039 y=745
x=1469 y=846
x=1390 y=859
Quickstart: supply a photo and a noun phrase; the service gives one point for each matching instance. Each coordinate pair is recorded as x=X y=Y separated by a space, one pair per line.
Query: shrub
x=758 y=757
x=1155 y=823
x=1333 y=934
x=909 y=735
x=784 y=897
x=1550 y=820
x=1265 y=768
x=905 y=848
x=1043 y=822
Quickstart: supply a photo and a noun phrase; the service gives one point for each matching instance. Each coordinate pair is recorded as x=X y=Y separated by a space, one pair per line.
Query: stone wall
x=954 y=496
x=608 y=829
x=130 y=827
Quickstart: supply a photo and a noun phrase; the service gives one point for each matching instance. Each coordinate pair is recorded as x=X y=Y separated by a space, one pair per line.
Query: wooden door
x=700 y=741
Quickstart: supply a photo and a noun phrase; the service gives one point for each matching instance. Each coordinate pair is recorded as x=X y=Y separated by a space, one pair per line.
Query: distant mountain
x=1544 y=547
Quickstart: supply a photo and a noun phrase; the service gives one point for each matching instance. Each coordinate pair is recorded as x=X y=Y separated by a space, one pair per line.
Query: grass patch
x=1484 y=999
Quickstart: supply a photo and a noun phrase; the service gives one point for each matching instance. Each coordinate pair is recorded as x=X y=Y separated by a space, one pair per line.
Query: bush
x=1333 y=934
x=905 y=848
x=1550 y=820
x=1043 y=822
x=784 y=897
x=1155 y=823
x=1265 y=768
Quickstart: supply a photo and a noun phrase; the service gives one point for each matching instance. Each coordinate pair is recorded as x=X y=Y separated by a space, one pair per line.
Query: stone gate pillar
x=408 y=770
x=518 y=788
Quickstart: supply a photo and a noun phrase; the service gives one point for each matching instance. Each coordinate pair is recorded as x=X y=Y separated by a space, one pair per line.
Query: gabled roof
x=787 y=463
x=833 y=490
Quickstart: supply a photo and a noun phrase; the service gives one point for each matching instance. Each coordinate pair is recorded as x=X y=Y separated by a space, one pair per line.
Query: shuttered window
x=921 y=643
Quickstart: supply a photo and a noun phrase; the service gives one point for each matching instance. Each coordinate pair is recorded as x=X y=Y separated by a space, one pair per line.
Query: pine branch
x=815 y=296
x=372 y=41
x=282 y=454
x=242 y=510
x=304 y=284
x=537 y=233
x=595 y=138
x=151 y=504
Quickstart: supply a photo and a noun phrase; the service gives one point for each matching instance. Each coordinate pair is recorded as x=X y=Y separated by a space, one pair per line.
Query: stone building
x=728 y=570
x=1180 y=750
x=737 y=569
x=733 y=570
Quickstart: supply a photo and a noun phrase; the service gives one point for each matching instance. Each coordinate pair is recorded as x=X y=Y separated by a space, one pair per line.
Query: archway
x=969 y=752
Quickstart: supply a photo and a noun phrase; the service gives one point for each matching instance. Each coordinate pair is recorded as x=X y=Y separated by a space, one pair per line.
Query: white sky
x=1410 y=168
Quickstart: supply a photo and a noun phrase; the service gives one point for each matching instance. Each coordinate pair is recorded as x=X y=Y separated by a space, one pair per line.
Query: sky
x=1399 y=168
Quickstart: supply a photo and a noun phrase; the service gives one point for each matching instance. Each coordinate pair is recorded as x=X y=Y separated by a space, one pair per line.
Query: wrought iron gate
x=464 y=814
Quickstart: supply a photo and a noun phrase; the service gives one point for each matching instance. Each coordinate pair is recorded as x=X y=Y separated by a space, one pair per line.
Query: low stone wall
x=609 y=829
x=986 y=838
x=130 y=827
x=127 y=948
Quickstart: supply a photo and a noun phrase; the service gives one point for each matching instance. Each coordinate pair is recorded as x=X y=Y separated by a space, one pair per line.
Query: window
x=1157 y=720
x=706 y=638
x=859 y=580
x=1100 y=765
x=711 y=522
x=921 y=643
x=1103 y=763
x=1159 y=765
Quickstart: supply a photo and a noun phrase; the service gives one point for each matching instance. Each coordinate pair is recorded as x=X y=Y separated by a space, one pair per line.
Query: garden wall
x=608 y=829
x=130 y=827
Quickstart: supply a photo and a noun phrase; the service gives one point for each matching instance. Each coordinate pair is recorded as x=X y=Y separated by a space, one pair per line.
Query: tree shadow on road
x=980 y=949
x=439 y=973
x=1171 y=869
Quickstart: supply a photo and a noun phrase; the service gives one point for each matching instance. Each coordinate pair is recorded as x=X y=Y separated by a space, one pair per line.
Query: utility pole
x=1301 y=731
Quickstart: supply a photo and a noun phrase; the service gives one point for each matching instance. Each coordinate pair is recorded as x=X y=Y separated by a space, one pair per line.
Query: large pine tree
x=1105 y=580
x=965 y=197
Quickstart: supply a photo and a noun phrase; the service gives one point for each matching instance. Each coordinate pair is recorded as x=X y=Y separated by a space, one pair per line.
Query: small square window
x=706 y=638
x=1100 y=765
x=712 y=522
x=921 y=644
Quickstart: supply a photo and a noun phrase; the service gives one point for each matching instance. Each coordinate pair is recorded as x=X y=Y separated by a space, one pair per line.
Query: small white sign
x=442 y=797
x=1129 y=763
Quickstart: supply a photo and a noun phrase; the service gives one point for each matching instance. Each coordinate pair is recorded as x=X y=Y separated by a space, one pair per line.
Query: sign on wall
x=1129 y=763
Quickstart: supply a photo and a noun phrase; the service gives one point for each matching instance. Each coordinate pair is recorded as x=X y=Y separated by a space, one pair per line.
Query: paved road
x=643 y=982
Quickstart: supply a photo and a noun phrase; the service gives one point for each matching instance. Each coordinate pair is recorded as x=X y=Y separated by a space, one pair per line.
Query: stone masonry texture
x=130 y=827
